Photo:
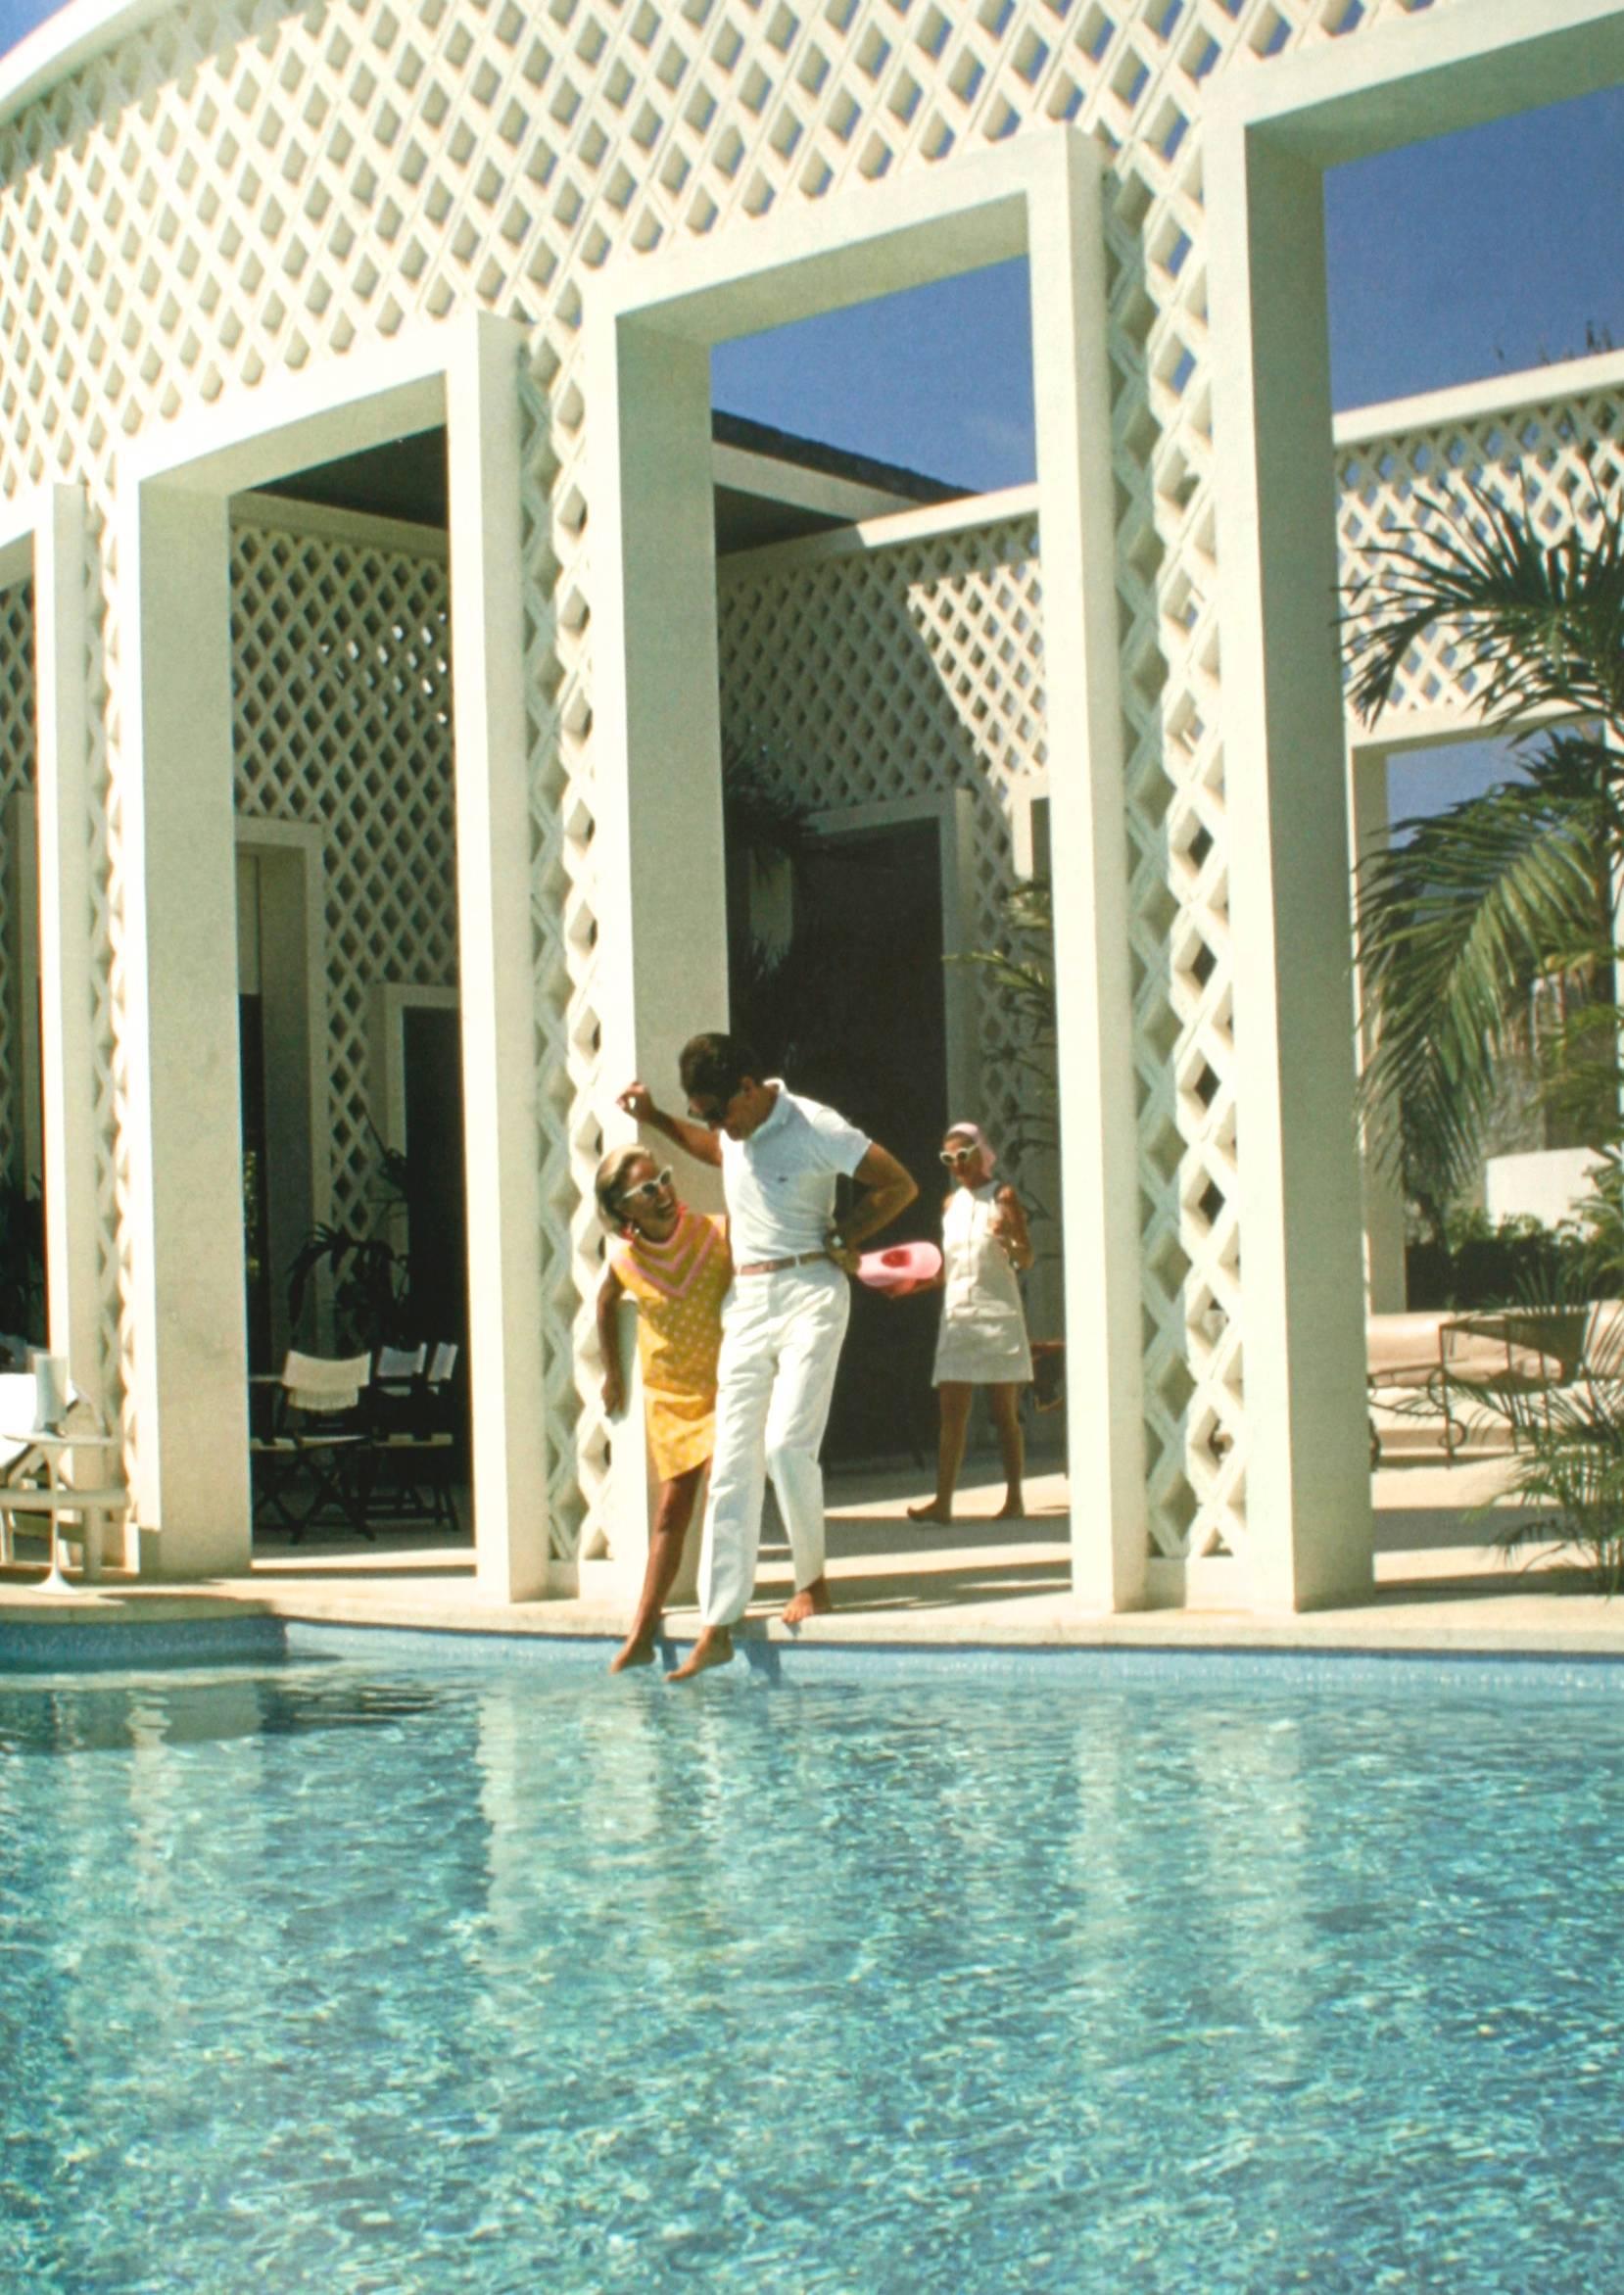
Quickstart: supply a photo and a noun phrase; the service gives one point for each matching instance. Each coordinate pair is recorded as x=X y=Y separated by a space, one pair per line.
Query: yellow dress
x=678 y=1286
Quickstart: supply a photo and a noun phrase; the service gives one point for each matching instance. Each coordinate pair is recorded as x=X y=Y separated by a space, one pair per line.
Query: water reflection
x=354 y=1976
x=283 y=1701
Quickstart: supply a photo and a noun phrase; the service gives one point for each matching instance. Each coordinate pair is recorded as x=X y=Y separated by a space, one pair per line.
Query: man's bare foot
x=808 y=1601
x=933 y=1510
x=1014 y=1509
x=636 y=1649
x=713 y=1648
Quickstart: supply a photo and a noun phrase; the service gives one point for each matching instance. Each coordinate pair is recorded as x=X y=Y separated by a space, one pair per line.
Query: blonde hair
x=610 y=1181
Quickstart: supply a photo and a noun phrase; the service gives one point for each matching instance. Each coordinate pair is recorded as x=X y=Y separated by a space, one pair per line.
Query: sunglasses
x=952 y=1155
x=647 y=1190
x=714 y=1117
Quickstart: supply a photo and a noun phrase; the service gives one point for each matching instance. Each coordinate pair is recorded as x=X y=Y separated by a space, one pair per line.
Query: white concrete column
x=1383 y=1189
x=183 y=1142
x=1303 y=1288
x=1088 y=844
x=662 y=953
x=66 y=1056
x=501 y=1134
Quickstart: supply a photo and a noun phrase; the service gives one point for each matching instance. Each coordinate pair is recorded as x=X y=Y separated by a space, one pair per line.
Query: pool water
x=380 y=1974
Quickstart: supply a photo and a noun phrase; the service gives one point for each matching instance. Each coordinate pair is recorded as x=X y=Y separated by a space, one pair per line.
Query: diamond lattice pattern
x=1541 y=459
x=16 y=779
x=901 y=673
x=342 y=703
x=231 y=190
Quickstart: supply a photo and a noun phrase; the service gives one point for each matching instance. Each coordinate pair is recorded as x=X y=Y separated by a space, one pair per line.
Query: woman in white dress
x=986 y=1245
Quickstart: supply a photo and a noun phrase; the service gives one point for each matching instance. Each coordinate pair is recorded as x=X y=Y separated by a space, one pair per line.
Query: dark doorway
x=436 y=1212
x=257 y=1243
x=872 y=1041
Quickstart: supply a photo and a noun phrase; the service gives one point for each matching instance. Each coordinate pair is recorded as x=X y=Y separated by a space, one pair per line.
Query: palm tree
x=1470 y=909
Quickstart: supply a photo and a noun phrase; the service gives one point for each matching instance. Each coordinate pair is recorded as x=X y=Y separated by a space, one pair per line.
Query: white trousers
x=781 y=1348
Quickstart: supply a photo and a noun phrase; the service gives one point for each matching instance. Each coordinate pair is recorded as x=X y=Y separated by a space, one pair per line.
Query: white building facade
x=241 y=244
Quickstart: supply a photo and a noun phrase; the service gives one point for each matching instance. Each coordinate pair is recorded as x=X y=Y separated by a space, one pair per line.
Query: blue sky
x=17 y=16
x=1468 y=255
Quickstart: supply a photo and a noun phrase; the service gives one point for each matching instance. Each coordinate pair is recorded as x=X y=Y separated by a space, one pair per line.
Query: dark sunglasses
x=648 y=1188
x=713 y=1118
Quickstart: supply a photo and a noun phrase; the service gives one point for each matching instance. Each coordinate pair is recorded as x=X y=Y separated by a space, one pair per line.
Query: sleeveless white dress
x=984 y=1330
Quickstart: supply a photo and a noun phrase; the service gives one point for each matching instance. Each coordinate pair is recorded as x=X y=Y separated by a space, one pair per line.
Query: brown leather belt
x=775 y=1267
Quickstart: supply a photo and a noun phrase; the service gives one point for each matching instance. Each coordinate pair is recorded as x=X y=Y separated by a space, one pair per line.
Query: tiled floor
x=1441 y=1581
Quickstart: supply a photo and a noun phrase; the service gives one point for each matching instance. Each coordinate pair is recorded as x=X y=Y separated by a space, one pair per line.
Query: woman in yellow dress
x=675 y=1263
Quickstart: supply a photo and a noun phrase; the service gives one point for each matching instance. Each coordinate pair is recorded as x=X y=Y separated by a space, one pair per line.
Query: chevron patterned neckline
x=675 y=1265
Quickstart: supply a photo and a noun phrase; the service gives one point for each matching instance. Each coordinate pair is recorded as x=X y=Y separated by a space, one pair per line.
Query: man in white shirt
x=782 y=1323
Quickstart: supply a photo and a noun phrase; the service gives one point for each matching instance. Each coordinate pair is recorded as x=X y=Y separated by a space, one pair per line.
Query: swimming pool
x=389 y=1973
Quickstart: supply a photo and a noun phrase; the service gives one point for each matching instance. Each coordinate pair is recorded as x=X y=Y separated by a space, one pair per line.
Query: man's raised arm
x=694 y=1139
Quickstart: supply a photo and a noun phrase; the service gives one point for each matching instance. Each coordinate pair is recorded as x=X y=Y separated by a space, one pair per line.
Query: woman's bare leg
x=1006 y=1417
x=665 y=1558
x=954 y=1396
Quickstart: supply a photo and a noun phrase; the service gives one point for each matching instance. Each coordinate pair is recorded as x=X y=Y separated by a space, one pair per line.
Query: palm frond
x=1568 y=1481
x=1455 y=921
x=762 y=816
x=1023 y=969
x=1578 y=1069
x=1541 y=625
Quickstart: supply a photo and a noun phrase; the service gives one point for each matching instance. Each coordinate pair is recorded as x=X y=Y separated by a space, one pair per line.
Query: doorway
x=282 y=1101
x=867 y=1034
x=436 y=1208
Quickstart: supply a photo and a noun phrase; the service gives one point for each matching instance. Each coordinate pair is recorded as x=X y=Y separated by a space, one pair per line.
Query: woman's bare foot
x=713 y=1648
x=933 y=1510
x=808 y=1601
x=636 y=1649
x=1014 y=1509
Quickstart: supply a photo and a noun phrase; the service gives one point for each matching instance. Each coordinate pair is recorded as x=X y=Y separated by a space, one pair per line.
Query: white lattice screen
x=910 y=669
x=1542 y=457
x=231 y=190
x=907 y=670
x=17 y=778
x=901 y=672
x=342 y=699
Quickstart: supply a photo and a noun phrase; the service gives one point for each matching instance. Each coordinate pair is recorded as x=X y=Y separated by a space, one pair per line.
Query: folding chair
x=319 y=1442
x=413 y=1432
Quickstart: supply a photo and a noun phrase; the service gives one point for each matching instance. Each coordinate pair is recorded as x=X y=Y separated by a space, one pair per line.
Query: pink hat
x=905 y=1267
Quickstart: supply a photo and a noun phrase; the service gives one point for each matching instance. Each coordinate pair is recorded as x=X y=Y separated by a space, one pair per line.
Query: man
x=781 y=1157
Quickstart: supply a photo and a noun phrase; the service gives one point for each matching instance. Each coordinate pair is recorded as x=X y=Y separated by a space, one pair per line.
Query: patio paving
x=1441 y=1582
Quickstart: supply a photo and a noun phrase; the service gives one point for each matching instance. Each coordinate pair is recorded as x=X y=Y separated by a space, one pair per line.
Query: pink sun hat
x=905 y=1267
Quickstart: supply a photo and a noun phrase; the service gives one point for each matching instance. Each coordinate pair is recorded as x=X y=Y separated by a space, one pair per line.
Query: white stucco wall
x=1548 y=1184
x=202 y=205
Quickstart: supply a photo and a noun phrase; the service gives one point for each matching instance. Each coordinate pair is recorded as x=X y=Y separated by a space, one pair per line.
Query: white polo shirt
x=779 y=1182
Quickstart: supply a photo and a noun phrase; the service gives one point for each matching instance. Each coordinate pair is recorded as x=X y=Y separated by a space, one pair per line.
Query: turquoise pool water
x=385 y=1975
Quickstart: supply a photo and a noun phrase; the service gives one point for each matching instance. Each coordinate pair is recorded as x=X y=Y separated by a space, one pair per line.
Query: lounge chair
x=1455 y=1367
x=42 y=1422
